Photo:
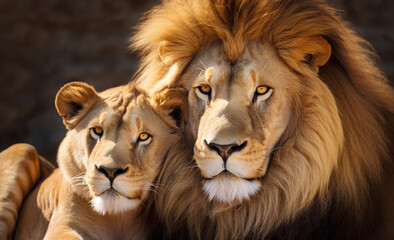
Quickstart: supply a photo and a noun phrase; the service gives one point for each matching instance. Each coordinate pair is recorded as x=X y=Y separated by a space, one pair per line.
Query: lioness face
x=125 y=157
x=117 y=149
x=238 y=113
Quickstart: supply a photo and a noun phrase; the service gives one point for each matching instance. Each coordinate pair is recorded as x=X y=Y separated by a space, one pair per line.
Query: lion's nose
x=225 y=151
x=111 y=173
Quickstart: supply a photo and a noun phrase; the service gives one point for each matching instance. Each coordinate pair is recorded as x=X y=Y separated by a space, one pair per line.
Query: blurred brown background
x=47 y=43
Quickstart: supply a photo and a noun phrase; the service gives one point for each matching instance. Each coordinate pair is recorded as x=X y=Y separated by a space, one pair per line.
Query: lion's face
x=238 y=113
x=113 y=153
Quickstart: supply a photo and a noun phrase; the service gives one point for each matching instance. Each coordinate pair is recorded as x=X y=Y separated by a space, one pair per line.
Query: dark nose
x=225 y=150
x=111 y=173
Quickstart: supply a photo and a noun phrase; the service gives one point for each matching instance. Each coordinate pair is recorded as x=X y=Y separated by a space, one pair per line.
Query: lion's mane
x=363 y=98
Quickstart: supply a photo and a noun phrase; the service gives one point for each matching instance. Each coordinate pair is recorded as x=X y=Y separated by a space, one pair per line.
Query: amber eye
x=204 y=89
x=261 y=90
x=143 y=137
x=96 y=132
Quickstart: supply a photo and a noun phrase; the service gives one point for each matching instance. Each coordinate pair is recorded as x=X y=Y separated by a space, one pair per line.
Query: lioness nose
x=111 y=173
x=225 y=150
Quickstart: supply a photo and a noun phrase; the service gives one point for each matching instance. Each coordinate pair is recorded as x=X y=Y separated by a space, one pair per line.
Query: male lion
x=112 y=153
x=289 y=121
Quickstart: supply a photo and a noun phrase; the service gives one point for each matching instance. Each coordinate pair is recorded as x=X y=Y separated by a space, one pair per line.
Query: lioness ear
x=172 y=105
x=73 y=101
x=315 y=51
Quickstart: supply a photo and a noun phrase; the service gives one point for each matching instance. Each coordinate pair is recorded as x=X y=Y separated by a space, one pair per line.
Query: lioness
x=107 y=163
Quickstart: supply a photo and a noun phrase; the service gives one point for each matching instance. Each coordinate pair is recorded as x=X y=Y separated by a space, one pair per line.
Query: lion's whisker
x=205 y=68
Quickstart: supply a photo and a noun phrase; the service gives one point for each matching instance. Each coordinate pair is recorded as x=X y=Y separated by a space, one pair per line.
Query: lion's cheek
x=247 y=167
x=210 y=167
x=209 y=163
x=97 y=185
x=195 y=117
x=129 y=187
x=275 y=123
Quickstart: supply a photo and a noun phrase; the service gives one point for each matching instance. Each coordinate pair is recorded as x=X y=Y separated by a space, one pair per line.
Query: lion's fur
x=347 y=197
x=63 y=206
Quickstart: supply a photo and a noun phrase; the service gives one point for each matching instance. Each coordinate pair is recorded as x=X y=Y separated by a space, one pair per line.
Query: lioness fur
x=325 y=176
x=22 y=168
x=113 y=150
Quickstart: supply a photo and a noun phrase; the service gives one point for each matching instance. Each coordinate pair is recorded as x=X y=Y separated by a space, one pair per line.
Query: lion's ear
x=170 y=80
x=317 y=52
x=73 y=101
x=163 y=50
x=175 y=58
x=314 y=51
x=172 y=105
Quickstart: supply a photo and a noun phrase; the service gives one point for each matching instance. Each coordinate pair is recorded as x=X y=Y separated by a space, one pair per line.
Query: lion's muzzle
x=225 y=151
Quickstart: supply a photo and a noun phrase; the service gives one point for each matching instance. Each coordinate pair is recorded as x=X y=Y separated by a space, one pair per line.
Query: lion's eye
x=261 y=90
x=96 y=132
x=262 y=93
x=204 y=89
x=144 y=137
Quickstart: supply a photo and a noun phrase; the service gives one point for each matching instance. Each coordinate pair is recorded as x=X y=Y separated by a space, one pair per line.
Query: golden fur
x=102 y=180
x=324 y=175
x=24 y=160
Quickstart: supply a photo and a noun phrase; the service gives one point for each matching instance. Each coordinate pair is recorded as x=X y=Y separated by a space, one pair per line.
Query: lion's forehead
x=259 y=63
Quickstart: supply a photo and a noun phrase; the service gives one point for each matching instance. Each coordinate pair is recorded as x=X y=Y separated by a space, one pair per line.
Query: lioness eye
x=96 y=132
x=143 y=137
x=204 y=89
x=261 y=90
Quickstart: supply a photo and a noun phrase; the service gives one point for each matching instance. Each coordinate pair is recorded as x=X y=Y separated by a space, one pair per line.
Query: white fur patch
x=228 y=188
x=112 y=203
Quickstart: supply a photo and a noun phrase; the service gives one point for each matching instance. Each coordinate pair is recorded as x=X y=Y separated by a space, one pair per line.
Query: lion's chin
x=227 y=188
x=113 y=203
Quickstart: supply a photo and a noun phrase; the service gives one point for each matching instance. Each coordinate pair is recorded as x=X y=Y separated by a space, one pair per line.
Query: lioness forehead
x=120 y=106
x=118 y=98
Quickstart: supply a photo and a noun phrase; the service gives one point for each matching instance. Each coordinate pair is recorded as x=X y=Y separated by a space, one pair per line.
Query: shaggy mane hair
x=175 y=30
